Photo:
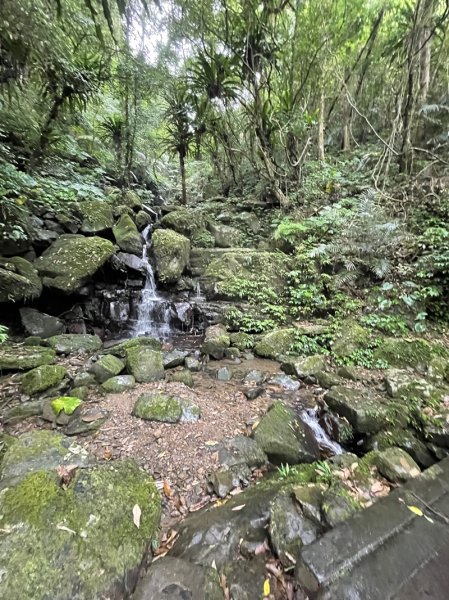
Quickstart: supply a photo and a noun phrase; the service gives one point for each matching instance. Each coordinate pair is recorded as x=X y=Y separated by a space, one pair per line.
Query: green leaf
x=68 y=404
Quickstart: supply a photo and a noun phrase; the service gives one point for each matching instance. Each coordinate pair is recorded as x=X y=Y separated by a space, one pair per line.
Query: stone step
x=376 y=553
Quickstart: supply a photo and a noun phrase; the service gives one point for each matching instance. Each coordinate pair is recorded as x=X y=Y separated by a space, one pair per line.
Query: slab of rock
x=178 y=579
x=223 y=481
x=350 y=337
x=83 y=378
x=254 y=377
x=123 y=260
x=184 y=376
x=19 y=280
x=284 y=438
x=276 y=343
x=286 y=382
x=410 y=352
x=85 y=528
x=225 y=236
x=396 y=465
x=401 y=438
x=127 y=235
x=118 y=384
x=310 y=499
x=306 y=367
x=42 y=378
x=145 y=364
x=97 y=216
x=174 y=358
x=244 y=577
x=40 y=324
x=241 y=449
x=251 y=393
x=14 y=357
x=165 y=408
x=400 y=382
x=120 y=349
x=216 y=340
x=105 y=367
x=22 y=411
x=69 y=343
x=171 y=253
x=86 y=420
x=71 y=260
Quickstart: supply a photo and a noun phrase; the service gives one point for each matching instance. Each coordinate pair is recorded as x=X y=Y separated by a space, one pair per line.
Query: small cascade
x=198 y=296
x=153 y=312
x=309 y=416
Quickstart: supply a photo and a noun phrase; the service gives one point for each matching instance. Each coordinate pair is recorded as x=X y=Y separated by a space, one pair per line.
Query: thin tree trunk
x=182 y=169
x=321 y=127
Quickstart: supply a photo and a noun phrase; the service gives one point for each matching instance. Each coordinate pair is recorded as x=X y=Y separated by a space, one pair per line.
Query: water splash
x=310 y=418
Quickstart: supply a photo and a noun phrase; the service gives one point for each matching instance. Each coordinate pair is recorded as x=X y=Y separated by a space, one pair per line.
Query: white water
x=309 y=417
x=198 y=296
x=153 y=313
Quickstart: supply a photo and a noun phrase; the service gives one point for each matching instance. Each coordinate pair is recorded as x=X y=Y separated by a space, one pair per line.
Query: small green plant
x=324 y=471
x=3 y=334
x=285 y=470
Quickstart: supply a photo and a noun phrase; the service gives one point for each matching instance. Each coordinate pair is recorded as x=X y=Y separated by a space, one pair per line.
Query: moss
x=172 y=252
x=145 y=364
x=15 y=357
x=242 y=341
x=413 y=352
x=80 y=392
x=349 y=338
x=19 y=280
x=67 y=404
x=276 y=343
x=41 y=378
x=118 y=384
x=97 y=216
x=131 y=199
x=105 y=367
x=158 y=407
x=184 y=376
x=121 y=349
x=183 y=221
x=69 y=262
x=127 y=236
x=203 y=239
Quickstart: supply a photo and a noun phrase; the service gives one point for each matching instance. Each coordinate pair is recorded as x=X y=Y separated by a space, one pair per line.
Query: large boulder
x=42 y=378
x=165 y=408
x=184 y=221
x=14 y=357
x=69 y=343
x=19 y=280
x=284 y=438
x=276 y=343
x=349 y=337
x=171 y=252
x=145 y=364
x=216 y=340
x=127 y=235
x=105 y=367
x=71 y=260
x=120 y=349
x=97 y=216
x=95 y=530
x=40 y=324
x=396 y=465
x=225 y=236
x=306 y=367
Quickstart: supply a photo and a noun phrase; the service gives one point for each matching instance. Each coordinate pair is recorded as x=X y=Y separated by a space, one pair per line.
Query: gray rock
x=223 y=481
x=224 y=374
x=82 y=379
x=171 y=252
x=22 y=411
x=21 y=358
x=304 y=368
x=244 y=577
x=255 y=377
x=86 y=421
x=251 y=393
x=225 y=236
x=241 y=449
x=399 y=382
x=404 y=439
x=164 y=408
x=338 y=505
x=121 y=348
x=105 y=367
x=286 y=382
x=396 y=465
x=145 y=364
x=216 y=340
x=40 y=324
x=193 y=364
x=310 y=499
x=177 y=579
x=184 y=376
x=174 y=358
x=118 y=384
x=127 y=235
x=130 y=261
x=69 y=343
x=42 y=378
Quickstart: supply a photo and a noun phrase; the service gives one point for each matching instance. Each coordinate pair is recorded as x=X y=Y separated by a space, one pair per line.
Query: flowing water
x=310 y=418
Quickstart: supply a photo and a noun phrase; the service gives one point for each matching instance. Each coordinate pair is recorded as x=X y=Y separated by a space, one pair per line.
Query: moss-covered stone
x=184 y=221
x=184 y=376
x=118 y=384
x=127 y=236
x=131 y=199
x=81 y=392
x=97 y=216
x=42 y=378
x=71 y=260
x=338 y=505
x=142 y=220
x=216 y=340
x=68 y=343
x=40 y=324
x=350 y=337
x=225 y=236
x=19 y=280
x=15 y=357
x=145 y=364
x=404 y=439
x=202 y=239
x=85 y=531
x=105 y=367
x=275 y=343
x=396 y=465
x=242 y=341
x=413 y=352
x=165 y=408
x=306 y=367
x=22 y=411
x=121 y=348
x=171 y=252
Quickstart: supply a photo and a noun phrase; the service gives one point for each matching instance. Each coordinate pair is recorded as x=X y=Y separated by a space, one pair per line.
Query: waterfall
x=309 y=417
x=153 y=312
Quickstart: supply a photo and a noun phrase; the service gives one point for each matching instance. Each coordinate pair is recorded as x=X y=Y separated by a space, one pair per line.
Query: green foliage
x=389 y=324
x=3 y=334
x=66 y=404
x=309 y=345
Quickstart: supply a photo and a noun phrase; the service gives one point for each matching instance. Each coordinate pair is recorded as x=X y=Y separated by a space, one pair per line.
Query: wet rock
x=289 y=529
x=251 y=393
x=40 y=324
x=285 y=439
x=22 y=411
x=224 y=374
x=254 y=377
x=127 y=235
x=241 y=450
x=171 y=252
x=338 y=505
x=42 y=378
x=118 y=384
x=225 y=236
x=305 y=368
x=174 y=358
x=97 y=216
x=123 y=261
x=328 y=380
x=145 y=364
x=71 y=260
x=396 y=465
x=216 y=340
x=87 y=420
x=82 y=379
x=310 y=500
x=286 y=382
x=192 y=364
x=90 y=535
x=105 y=367
x=365 y=411
x=276 y=343
x=242 y=341
x=436 y=430
x=142 y=220
x=19 y=280
x=69 y=343
x=178 y=579
x=165 y=408
x=403 y=439
x=223 y=481
x=184 y=376
x=120 y=349
x=14 y=357
x=399 y=382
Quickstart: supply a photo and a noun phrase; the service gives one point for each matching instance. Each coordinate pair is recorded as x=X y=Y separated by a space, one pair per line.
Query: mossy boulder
x=120 y=349
x=283 y=438
x=350 y=337
x=216 y=340
x=145 y=364
x=69 y=343
x=84 y=531
x=400 y=383
x=97 y=216
x=183 y=376
x=410 y=352
x=225 y=236
x=171 y=253
x=42 y=378
x=184 y=221
x=105 y=367
x=118 y=384
x=142 y=220
x=395 y=465
x=242 y=341
x=165 y=408
x=40 y=324
x=127 y=235
x=19 y=280
x=202 y=239
x=14 y=357
x=131 y=199
x=404 y=439
x=305 y=368
x=71 y=260
x=338 y=505
x=22 y=411
x=275 y=343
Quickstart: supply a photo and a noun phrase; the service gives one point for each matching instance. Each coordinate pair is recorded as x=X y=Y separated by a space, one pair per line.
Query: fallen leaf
x=210 y=443
x=107 y=454
x=416 y=510
x=64 y=528
x=266 y=588
x=239 y=507
x=136 y=515
x=167 y=489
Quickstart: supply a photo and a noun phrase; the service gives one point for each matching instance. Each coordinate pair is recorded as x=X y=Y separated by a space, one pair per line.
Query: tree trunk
x=182 y=169
x=321 y=128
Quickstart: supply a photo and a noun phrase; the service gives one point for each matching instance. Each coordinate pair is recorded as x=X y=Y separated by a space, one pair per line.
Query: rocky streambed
x=216 y=466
